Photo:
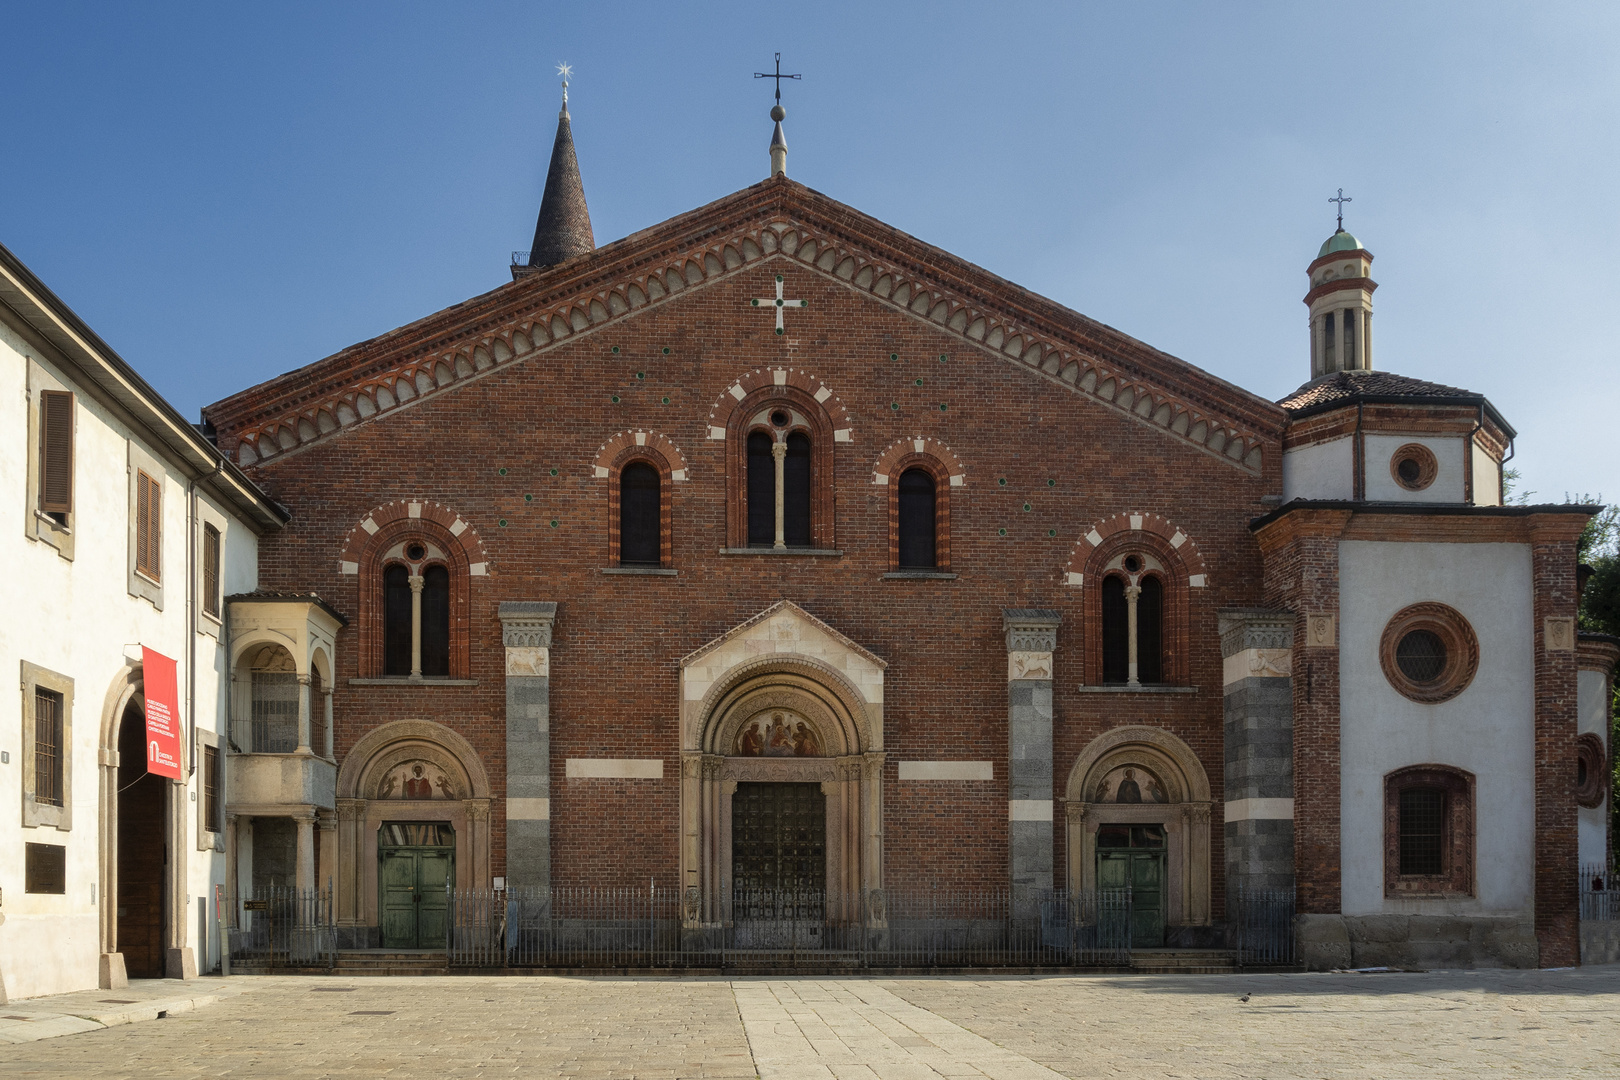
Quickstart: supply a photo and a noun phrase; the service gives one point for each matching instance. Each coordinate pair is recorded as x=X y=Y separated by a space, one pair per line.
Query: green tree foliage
x=1599 y=613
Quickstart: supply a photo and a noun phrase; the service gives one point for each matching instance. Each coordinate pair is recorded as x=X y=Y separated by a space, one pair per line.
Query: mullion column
x=1031 y=639
x=526 y=634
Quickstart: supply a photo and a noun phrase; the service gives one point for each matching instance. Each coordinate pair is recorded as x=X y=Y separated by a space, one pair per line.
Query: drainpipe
x=1501 y=474
x=1468 y=462
x=1358 y=482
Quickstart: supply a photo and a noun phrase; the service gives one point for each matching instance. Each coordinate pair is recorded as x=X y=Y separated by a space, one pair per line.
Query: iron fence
x=1262 y=922
x=1600 y=896
x=280 y=926
x=766 y=929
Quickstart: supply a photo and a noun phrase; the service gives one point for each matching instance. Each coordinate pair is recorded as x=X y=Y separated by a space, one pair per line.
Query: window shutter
x=55 y=451
x=148 y=526
x=210 y=570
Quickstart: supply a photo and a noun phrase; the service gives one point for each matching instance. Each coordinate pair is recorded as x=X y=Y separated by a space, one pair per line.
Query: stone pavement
x=1443 y=1024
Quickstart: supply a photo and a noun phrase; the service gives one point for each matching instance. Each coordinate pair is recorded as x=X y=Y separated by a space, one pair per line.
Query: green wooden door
x=416 y=863
x=433 y=909
x=1134 y=856
x=397 y=875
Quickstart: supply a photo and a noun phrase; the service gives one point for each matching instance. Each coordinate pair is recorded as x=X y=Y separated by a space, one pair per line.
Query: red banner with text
x=162 y=714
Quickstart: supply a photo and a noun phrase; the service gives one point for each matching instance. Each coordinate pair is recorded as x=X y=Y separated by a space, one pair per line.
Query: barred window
x=211 y=781
x=47 y=747
x=210 y=570
x=275 y=712
x=1422 y=830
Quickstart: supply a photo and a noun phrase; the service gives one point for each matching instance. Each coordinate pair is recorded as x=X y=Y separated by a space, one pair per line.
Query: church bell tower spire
x=563 y=230
x=1340 y=301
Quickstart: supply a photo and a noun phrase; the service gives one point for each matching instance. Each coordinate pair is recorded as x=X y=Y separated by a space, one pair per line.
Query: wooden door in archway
x=143 y=855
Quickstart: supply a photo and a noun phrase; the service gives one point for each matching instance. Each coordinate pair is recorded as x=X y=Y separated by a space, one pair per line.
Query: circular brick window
x=1590 y=776
x=1429 y=652
x=416 y=553
x=1414 y=466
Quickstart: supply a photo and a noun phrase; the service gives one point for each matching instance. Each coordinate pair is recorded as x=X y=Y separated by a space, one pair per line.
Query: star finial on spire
x=567 y=72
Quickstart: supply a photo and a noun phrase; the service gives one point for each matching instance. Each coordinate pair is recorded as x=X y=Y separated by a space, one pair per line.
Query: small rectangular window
x=56 y=454
x=47 y=747
x=148 y=527
x=210 y=570
x=45 y=869
x=1422 y=830
x=210 y=780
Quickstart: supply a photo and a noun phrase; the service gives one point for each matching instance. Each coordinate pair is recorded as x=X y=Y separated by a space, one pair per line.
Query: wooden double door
x=416 y=867
x=778 y=866
x=1134 y=856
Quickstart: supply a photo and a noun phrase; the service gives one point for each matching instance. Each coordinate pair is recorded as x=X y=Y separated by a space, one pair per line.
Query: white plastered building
x=124 y=531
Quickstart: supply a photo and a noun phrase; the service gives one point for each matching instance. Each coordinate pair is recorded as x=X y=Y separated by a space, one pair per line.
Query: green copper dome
x=1339 y=241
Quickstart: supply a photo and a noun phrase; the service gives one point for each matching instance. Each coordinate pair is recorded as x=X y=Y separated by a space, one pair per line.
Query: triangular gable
x=797 y=613
x=777 y=218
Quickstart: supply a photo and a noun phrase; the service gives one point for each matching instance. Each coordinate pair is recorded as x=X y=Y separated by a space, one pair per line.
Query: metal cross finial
x=778 y=77
x=1341 y=200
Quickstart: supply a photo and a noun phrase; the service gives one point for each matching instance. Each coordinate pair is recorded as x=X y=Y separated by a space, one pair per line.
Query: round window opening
x=780 y=418
x=1421 y=655
x=1590 y=771
x=416 y=553
x=1133 y=564
x=1414 y=466
x=1429 y=652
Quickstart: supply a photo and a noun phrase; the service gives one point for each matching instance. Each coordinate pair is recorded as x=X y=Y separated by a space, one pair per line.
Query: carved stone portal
x=783 y=698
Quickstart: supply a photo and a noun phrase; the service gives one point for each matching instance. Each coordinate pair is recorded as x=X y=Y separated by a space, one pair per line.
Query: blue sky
x=227 y=192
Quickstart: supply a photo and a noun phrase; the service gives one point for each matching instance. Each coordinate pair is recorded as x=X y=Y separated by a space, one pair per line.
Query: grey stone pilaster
x=526 y=634
x=1031 y=640
x=1256 y=654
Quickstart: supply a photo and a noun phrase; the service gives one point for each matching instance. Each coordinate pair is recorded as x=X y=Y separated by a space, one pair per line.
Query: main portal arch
x=782 y=699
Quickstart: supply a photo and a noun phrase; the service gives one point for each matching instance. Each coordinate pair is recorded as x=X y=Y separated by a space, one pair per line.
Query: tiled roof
x=1349 y=385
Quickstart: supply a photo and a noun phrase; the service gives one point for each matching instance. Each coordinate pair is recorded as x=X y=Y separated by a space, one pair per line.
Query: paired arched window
x=779 y=488
x=917 y=521
x=1133 y=636
x=779 y=471
x=416 y=614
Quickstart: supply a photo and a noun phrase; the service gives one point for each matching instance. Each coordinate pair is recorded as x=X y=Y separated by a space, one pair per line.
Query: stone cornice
x=777 y=219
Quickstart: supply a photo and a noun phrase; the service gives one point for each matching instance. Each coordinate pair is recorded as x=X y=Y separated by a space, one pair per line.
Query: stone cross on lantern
x=779 y=303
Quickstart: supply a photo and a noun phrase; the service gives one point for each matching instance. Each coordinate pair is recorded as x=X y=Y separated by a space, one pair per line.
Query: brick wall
x=618 y=639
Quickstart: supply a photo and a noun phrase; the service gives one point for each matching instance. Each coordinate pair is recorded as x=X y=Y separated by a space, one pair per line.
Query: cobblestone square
x=1443 y=1024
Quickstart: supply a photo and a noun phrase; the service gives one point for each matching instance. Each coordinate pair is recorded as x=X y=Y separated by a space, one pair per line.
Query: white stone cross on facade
x=779 y=303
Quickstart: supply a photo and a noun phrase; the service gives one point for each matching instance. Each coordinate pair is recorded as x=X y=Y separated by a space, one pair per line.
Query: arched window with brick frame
x=1429 y=831
x=640 y=519
x=919 y=514
x=784 y=501
x=1137 y=610
x=413 y=563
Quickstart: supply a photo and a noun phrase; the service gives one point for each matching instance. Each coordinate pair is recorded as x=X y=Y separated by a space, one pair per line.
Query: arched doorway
x=1138 y=815
x=782 y=771
x=143 y=853
x=413 y=816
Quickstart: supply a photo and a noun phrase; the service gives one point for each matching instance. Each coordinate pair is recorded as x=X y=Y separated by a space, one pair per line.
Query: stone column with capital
x=1257 y=651
x=305 y=869
x=526 y=634
x=1031 y=640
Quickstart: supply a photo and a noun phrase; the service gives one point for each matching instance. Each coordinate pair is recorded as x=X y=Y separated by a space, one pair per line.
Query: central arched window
x=416 y=615
x=779 y=483
x=917 y=521
x=1133 y=623
x=640 y=515
x=779 y=471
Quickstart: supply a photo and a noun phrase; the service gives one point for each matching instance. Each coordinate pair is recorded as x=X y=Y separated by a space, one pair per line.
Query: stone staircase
x=1183 y=961
x=392 y=962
